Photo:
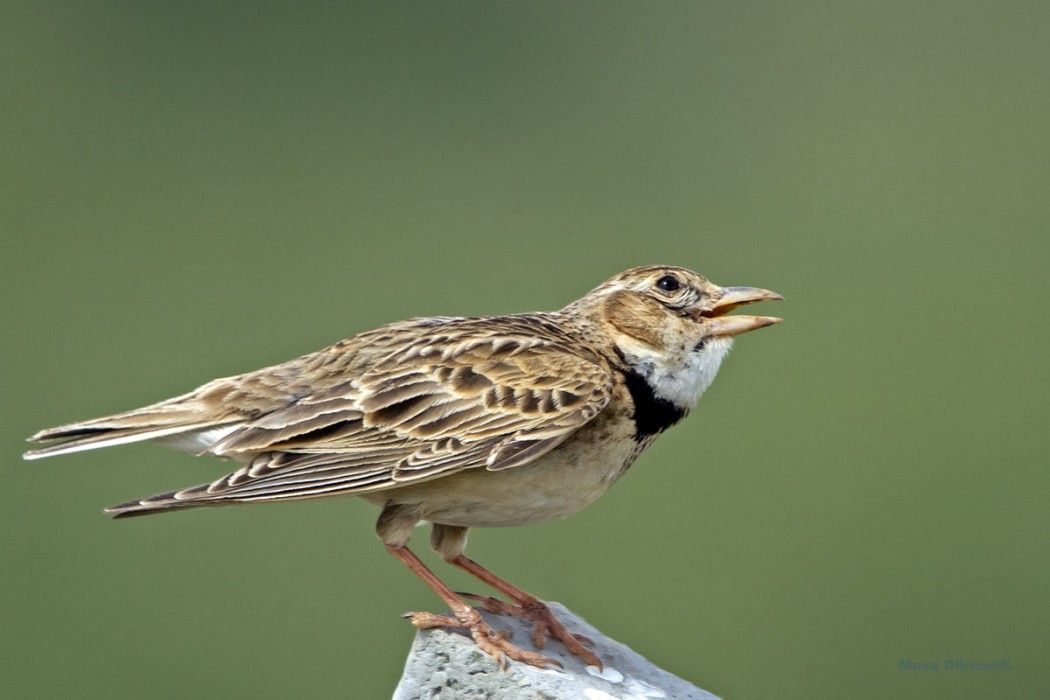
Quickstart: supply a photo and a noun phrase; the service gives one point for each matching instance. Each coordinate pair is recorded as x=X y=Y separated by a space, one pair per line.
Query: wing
x=195 y=421
x=468 y=394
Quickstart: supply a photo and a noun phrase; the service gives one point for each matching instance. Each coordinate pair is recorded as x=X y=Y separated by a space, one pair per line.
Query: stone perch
x=445 y=664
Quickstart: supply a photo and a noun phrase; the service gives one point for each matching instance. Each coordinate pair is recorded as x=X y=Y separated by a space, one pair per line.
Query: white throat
x=680 y=378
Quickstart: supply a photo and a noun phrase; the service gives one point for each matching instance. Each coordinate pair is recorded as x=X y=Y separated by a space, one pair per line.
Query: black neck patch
x=652 y=415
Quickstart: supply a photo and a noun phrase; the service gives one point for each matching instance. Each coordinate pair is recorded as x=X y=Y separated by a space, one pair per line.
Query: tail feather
x=80 y=437
x=181 y=414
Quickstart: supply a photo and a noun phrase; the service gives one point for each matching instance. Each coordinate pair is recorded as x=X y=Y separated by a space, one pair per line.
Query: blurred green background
x=192 y=190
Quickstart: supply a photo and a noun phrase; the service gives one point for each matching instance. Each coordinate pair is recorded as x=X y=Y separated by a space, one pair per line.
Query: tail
x=180 y=427
x=74 y=438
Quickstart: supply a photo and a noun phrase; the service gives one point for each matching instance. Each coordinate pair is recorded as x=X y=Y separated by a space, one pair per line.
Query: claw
x=491 y=641
x=494 y=605
x=584 y=640
x=547 y=625
x=425 y=620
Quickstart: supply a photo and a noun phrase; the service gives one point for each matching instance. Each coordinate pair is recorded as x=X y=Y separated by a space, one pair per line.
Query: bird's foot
x=546 y=624
x=491 y=641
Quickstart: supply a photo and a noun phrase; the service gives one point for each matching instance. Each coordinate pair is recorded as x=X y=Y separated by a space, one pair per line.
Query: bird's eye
x=668 y=283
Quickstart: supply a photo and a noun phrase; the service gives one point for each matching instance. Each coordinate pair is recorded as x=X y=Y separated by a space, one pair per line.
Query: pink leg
x=528 y=606
x=488 y=640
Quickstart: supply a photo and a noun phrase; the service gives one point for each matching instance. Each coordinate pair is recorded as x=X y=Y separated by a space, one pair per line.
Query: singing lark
x=460 y=422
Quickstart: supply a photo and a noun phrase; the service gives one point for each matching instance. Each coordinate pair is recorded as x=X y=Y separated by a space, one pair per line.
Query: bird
x=460 y=422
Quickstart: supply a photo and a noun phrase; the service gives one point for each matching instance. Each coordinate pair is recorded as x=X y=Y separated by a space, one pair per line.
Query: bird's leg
x=450 y=541
x=528 y=606
x=394 y=528
x=464 y=616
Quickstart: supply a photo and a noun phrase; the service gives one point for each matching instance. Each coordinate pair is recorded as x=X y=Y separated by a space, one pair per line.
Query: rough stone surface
x=445 y=665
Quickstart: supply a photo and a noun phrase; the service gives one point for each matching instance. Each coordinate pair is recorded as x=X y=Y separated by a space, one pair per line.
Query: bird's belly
x=554 y=486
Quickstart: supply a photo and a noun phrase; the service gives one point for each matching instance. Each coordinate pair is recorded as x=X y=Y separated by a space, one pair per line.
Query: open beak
x=732 y=297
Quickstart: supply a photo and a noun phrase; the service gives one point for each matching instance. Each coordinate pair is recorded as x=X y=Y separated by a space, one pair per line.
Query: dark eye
x=668 y=283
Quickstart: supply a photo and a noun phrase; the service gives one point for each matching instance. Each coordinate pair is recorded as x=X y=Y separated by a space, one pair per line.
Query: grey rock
x=446 y=665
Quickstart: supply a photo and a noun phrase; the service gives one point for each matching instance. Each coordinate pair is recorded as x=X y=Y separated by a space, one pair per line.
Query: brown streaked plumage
x=462 y=422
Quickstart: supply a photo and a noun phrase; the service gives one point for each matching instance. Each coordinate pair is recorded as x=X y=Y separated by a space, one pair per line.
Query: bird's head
x=669 y=324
